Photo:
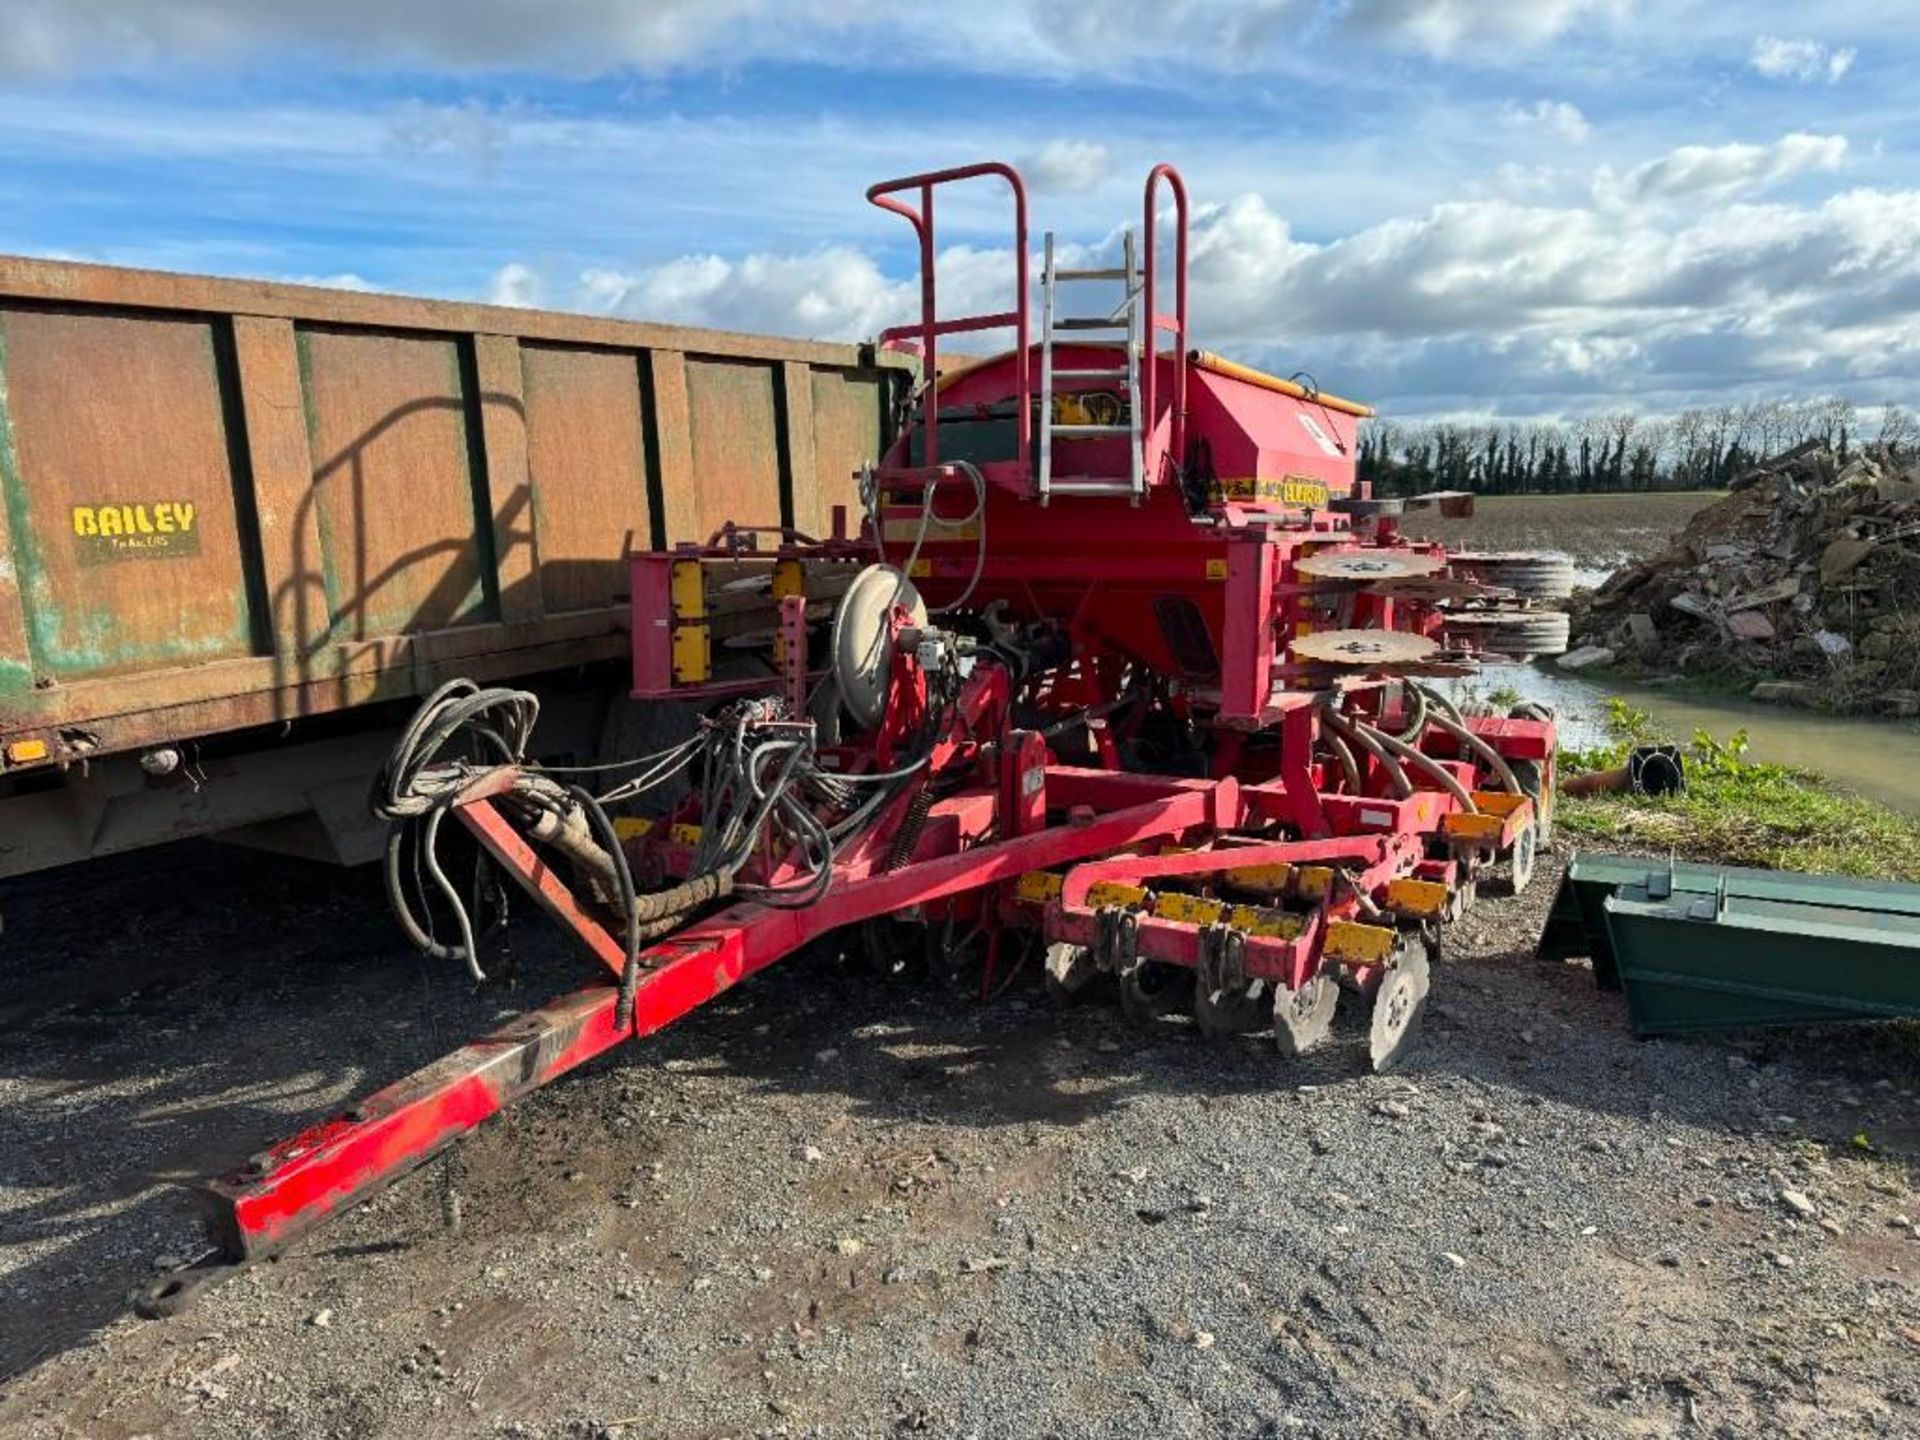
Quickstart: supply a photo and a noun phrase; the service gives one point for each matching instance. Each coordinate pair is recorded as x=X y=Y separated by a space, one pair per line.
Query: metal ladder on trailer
x=1053 y=326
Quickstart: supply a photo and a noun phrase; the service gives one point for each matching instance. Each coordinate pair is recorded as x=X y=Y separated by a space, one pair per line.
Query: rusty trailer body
x=238 y=519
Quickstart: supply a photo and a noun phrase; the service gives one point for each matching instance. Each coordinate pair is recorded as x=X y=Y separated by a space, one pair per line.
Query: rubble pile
x=1807 y=573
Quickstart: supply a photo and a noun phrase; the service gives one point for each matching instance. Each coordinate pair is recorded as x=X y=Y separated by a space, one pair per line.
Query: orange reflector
x=27 y=752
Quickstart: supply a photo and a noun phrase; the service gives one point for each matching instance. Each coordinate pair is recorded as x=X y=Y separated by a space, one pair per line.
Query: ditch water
x=1879 y=759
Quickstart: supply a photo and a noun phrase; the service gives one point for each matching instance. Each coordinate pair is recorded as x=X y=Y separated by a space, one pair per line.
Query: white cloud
x=1802 y=60
x=833 y=293
x=1463 y=27
x=1067 y=165
x=1708 y=172
x=346 y=280
x=1547 y=307
x=515 y=284
x=468 y=131
x=1555 y=117
x=1147 y=39
x=43 y=35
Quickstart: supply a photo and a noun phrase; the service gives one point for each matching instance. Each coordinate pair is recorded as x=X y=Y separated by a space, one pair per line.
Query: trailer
x=244 y=527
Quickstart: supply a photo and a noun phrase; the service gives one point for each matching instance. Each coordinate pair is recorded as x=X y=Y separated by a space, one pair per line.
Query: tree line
x=1700 y=449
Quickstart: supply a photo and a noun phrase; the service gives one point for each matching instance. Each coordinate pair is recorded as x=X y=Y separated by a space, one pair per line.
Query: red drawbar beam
x=299 y=1182
x=294 y=1185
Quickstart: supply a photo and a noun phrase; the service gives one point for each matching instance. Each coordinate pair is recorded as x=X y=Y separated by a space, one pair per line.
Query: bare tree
x=1898 y=430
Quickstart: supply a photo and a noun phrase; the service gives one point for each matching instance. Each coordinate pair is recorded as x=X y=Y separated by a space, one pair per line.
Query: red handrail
x=931 y=326
x=1177 y=322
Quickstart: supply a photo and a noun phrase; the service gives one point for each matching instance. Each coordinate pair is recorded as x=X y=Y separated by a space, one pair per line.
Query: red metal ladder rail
x=931 y=327
x=1175 y=323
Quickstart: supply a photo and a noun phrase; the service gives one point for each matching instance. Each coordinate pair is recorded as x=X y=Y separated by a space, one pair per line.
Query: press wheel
x=1238 y=1012
x=956 y=957
x=892 y=947
x=1465 y=894
x=1533 y=785
x=1069 y=969
x=1520 y=860
x=1303 y=1018
x=1398 y=1003
x=1152 y=990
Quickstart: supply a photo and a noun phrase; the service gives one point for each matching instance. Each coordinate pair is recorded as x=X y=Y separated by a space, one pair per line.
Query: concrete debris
x=1807 y=574
x=1586 y=657
x=1798 y=1202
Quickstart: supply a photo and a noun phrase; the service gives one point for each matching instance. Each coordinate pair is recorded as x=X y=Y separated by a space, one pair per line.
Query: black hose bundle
x=762 y=788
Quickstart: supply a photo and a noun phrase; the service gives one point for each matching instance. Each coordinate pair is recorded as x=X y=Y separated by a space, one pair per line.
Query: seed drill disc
x=862 y=639
x=1433 y=589
x=1368 y=565
x=1364 y=649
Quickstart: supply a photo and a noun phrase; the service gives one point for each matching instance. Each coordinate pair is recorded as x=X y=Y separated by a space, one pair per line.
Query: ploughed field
x=832 y=1204
x=1598 y=531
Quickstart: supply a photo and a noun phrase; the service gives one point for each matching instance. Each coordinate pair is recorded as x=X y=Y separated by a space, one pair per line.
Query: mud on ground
x=830 y=1206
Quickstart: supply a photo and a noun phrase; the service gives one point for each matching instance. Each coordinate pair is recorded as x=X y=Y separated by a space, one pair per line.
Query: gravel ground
x=830 y=1205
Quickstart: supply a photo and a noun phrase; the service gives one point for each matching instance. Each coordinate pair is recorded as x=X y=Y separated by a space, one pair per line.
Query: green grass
x=1780 y=819
x=1739 y=812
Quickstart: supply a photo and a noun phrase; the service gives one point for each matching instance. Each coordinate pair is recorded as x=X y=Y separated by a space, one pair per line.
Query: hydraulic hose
x=1426 y=762
x=1355 y=735
x=1448 y=717
x=1343 y=754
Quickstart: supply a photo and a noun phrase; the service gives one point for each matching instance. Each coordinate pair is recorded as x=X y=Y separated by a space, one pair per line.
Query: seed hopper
x=1122 y=679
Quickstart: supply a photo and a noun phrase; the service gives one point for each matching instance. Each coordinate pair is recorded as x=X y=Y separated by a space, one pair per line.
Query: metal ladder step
x=1093 y=485
x=1126 y=320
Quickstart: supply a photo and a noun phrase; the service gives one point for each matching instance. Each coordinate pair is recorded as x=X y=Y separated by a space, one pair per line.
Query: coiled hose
x=759 y=781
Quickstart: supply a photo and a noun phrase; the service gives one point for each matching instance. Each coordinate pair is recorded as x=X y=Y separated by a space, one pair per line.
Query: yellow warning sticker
x=1301 y=490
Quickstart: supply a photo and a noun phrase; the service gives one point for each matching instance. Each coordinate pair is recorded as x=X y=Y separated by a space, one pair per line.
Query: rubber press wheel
x=1520 y=860
x=1533 y=785
x=1398 y=1004
x=892 y=947
x=1069 y=970
x=1152 y=990
x=1221 y=1012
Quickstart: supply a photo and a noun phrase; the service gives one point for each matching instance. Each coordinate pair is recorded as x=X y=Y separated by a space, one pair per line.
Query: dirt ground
x=830 y=1205
x=1598 y=531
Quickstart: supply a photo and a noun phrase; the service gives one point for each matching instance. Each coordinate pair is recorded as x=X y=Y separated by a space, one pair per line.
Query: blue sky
x=1509 y=207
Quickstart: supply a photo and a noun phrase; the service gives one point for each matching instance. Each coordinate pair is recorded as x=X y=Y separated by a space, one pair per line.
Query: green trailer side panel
x=1703 y=947
x=1693 y=962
